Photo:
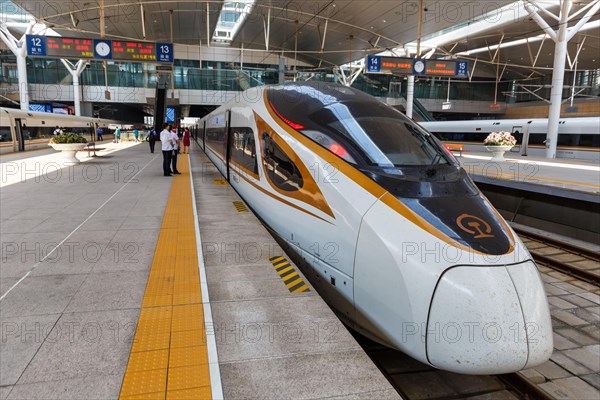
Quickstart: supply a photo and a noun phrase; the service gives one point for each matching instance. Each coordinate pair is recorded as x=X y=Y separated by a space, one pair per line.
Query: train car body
x=391 y=230
x=578 y=138
x=28 y=130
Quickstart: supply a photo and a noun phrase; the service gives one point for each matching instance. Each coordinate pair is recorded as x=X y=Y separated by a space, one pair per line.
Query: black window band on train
x=355 y=126
x=216 y=134
x=281 y=170
x=575 y=140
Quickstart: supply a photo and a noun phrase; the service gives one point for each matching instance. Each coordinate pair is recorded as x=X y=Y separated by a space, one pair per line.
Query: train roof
x=587 y=125
x=50 y=118
x=320 y=93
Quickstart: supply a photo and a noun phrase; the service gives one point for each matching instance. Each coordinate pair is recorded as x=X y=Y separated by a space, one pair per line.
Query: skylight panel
x=232 y=16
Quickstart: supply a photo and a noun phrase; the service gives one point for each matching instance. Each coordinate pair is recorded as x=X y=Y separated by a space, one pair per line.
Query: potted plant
x=69 y=144
x=498 y=143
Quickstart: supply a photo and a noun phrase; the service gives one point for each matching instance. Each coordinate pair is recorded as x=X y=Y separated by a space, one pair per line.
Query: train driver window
x=281 y=170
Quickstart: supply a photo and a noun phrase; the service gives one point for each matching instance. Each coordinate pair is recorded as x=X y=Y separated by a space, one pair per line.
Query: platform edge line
x=216 y=386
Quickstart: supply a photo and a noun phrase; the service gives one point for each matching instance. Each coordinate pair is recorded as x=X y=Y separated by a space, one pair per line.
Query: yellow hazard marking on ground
x=169 y=358
x=220 y=181
x=240 y=206
x=289 y=275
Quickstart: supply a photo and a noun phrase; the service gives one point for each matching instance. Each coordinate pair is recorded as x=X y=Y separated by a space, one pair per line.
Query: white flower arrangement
x=501 y=138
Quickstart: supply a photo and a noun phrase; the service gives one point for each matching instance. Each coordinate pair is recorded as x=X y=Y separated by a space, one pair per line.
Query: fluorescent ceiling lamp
x=491 y=20
x=232 y=16
x=587 y=26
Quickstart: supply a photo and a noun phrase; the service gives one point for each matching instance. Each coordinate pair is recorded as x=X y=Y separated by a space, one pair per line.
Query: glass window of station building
x=231 y=76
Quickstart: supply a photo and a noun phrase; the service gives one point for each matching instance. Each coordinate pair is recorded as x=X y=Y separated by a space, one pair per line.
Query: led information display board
x=60 y=47
x=102 y=49
x=417 y=66
x=133 y=51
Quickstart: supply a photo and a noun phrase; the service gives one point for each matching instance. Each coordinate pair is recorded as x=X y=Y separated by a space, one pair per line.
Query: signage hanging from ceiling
x=416 y=66
x=98 y=49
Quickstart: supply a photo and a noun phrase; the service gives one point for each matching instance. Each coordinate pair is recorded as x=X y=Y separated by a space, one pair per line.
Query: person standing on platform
x=118 y=135
x=57 y=131
x=151 y=139
x=176 y=143
x=136 y=134
x=186 y=141
x=99 y=133
x=167 y=148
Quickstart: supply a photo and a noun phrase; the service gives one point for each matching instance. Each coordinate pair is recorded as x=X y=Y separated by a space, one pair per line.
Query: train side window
x=5 y=135
x=281 y=170
x=216 y=134
x=215 y=137
x=243 y=148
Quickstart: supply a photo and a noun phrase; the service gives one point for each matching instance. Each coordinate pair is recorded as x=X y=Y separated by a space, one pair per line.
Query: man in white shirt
x=167 y=148
x=57 y=131
x=175 y=140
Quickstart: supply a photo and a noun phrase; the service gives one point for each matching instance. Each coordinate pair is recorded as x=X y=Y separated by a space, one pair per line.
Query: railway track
x=416 y=381
x=570 y=259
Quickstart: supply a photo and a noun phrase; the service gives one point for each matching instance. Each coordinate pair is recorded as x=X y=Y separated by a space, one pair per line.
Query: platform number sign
x=373 y=64
x=462 y=69
x=36 y=45
x=164 y=52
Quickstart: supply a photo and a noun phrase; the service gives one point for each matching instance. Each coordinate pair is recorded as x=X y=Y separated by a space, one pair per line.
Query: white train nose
x=489 y=320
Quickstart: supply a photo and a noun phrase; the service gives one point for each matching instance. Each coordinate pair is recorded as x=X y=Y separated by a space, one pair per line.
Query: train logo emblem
x=475 y=226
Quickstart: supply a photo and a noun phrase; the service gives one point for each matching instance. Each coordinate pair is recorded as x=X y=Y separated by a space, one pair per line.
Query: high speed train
x=26 y=130
x=388 y=227
x=578 y=138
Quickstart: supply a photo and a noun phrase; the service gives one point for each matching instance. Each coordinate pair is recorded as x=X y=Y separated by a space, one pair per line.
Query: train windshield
x=357 y=127
x=385 y=136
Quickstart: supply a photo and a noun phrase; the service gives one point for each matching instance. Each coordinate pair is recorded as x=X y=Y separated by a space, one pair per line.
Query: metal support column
x=410 y=92
x=410 y=88
x=281 y=70
x=75 y=71
x=561 y=39
x=19 y=49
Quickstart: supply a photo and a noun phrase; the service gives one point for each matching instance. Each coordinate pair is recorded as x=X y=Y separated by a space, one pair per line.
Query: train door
x=204 y=136
x=94 y=130
x=517 y=132
x=227 y=141
x=243 y=146
x=19 y=135
x=525 y=140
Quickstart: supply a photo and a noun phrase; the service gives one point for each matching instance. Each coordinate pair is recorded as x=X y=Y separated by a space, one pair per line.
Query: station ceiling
x=334 y=32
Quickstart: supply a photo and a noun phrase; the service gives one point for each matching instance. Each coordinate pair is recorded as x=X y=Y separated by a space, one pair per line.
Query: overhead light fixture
x=231 y=18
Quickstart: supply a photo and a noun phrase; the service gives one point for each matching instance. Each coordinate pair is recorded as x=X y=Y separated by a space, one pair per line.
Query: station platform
x=572 y=179
x=118 y=282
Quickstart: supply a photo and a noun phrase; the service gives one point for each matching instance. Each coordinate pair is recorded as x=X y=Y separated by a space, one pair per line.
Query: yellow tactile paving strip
x=169 y=358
